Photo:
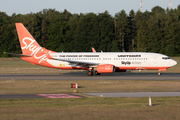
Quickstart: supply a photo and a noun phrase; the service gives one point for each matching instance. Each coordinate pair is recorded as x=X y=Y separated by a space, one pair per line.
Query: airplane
x=93 y=62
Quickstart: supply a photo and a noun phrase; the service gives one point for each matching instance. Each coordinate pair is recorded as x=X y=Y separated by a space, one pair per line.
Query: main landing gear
x=90 y=72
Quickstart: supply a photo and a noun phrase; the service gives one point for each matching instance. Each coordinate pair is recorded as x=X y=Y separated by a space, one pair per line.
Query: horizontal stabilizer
x=17 y=54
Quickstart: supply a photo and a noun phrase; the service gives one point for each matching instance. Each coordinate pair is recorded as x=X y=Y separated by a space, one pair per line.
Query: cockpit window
x=165 y=58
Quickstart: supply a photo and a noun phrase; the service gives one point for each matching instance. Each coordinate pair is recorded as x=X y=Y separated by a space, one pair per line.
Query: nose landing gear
x=159 y=74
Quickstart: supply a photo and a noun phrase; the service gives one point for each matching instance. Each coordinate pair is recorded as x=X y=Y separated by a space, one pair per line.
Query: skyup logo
x=34 y=48
x=126 y=63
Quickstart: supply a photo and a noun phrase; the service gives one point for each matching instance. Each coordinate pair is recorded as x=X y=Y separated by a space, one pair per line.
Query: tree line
x=156 y=31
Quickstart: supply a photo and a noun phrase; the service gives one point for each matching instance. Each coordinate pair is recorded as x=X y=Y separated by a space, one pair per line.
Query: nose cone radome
x=173 y=62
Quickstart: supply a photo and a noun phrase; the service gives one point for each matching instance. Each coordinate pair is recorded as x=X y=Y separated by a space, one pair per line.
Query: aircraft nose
x=173 y=62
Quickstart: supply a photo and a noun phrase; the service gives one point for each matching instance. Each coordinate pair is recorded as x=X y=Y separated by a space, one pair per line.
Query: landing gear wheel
x=90 y=73
x=96 y=73
x=159 y=74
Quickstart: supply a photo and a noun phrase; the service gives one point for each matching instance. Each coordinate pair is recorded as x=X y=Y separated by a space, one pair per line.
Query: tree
x=123 y=30
x=155 y=30
x=133 y=29
x=142 y=32
x=106 y=31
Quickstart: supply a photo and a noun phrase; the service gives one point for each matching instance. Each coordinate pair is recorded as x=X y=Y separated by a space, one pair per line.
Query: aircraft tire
x=90 y=73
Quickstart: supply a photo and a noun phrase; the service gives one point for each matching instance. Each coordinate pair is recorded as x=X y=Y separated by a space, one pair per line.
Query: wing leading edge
x=77 y=63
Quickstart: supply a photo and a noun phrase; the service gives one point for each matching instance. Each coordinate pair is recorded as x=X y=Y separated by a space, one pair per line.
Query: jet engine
x=106 y=68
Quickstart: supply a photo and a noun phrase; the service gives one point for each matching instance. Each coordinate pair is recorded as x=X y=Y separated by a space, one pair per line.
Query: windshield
x=165 y=58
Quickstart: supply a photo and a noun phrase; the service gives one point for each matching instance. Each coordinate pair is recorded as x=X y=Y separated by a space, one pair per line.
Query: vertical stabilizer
x=27 y=42
x=29 y=46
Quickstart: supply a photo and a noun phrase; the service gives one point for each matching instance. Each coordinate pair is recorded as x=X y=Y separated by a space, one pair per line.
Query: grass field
x=18 y=66
x=91 y=109
x=85 y=86
x=164 y=108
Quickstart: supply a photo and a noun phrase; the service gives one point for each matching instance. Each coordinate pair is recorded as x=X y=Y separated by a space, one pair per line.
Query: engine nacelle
x=106 y=68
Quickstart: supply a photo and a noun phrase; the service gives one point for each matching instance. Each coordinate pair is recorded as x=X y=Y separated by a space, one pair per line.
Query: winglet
x=93 y=50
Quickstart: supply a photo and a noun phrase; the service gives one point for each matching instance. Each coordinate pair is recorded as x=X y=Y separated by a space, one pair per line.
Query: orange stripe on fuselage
x=141 y=68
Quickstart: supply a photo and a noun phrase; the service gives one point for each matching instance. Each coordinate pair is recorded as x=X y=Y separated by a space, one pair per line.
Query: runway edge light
x=150 y=103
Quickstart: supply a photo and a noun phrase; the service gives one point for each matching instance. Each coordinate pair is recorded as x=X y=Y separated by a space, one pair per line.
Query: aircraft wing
x=78 y=63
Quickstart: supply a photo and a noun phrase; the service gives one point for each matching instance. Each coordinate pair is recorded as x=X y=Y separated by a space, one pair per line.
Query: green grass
x=18 y=66
x=91 y=108
x=86 y=86
x=164 y=108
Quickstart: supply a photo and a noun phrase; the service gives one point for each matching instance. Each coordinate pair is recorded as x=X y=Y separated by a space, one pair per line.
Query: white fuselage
x=123 y=60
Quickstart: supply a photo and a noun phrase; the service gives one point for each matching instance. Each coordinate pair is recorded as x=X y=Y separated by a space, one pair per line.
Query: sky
x=81 y=6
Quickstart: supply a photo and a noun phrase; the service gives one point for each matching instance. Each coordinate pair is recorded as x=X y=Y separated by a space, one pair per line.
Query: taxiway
x=154 y=76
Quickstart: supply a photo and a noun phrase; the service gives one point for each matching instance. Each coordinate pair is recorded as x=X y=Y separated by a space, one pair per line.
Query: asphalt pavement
x=164 y=76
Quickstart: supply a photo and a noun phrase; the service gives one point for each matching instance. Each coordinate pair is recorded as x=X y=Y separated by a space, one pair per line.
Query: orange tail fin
x=29 y=46
x=27 y=42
